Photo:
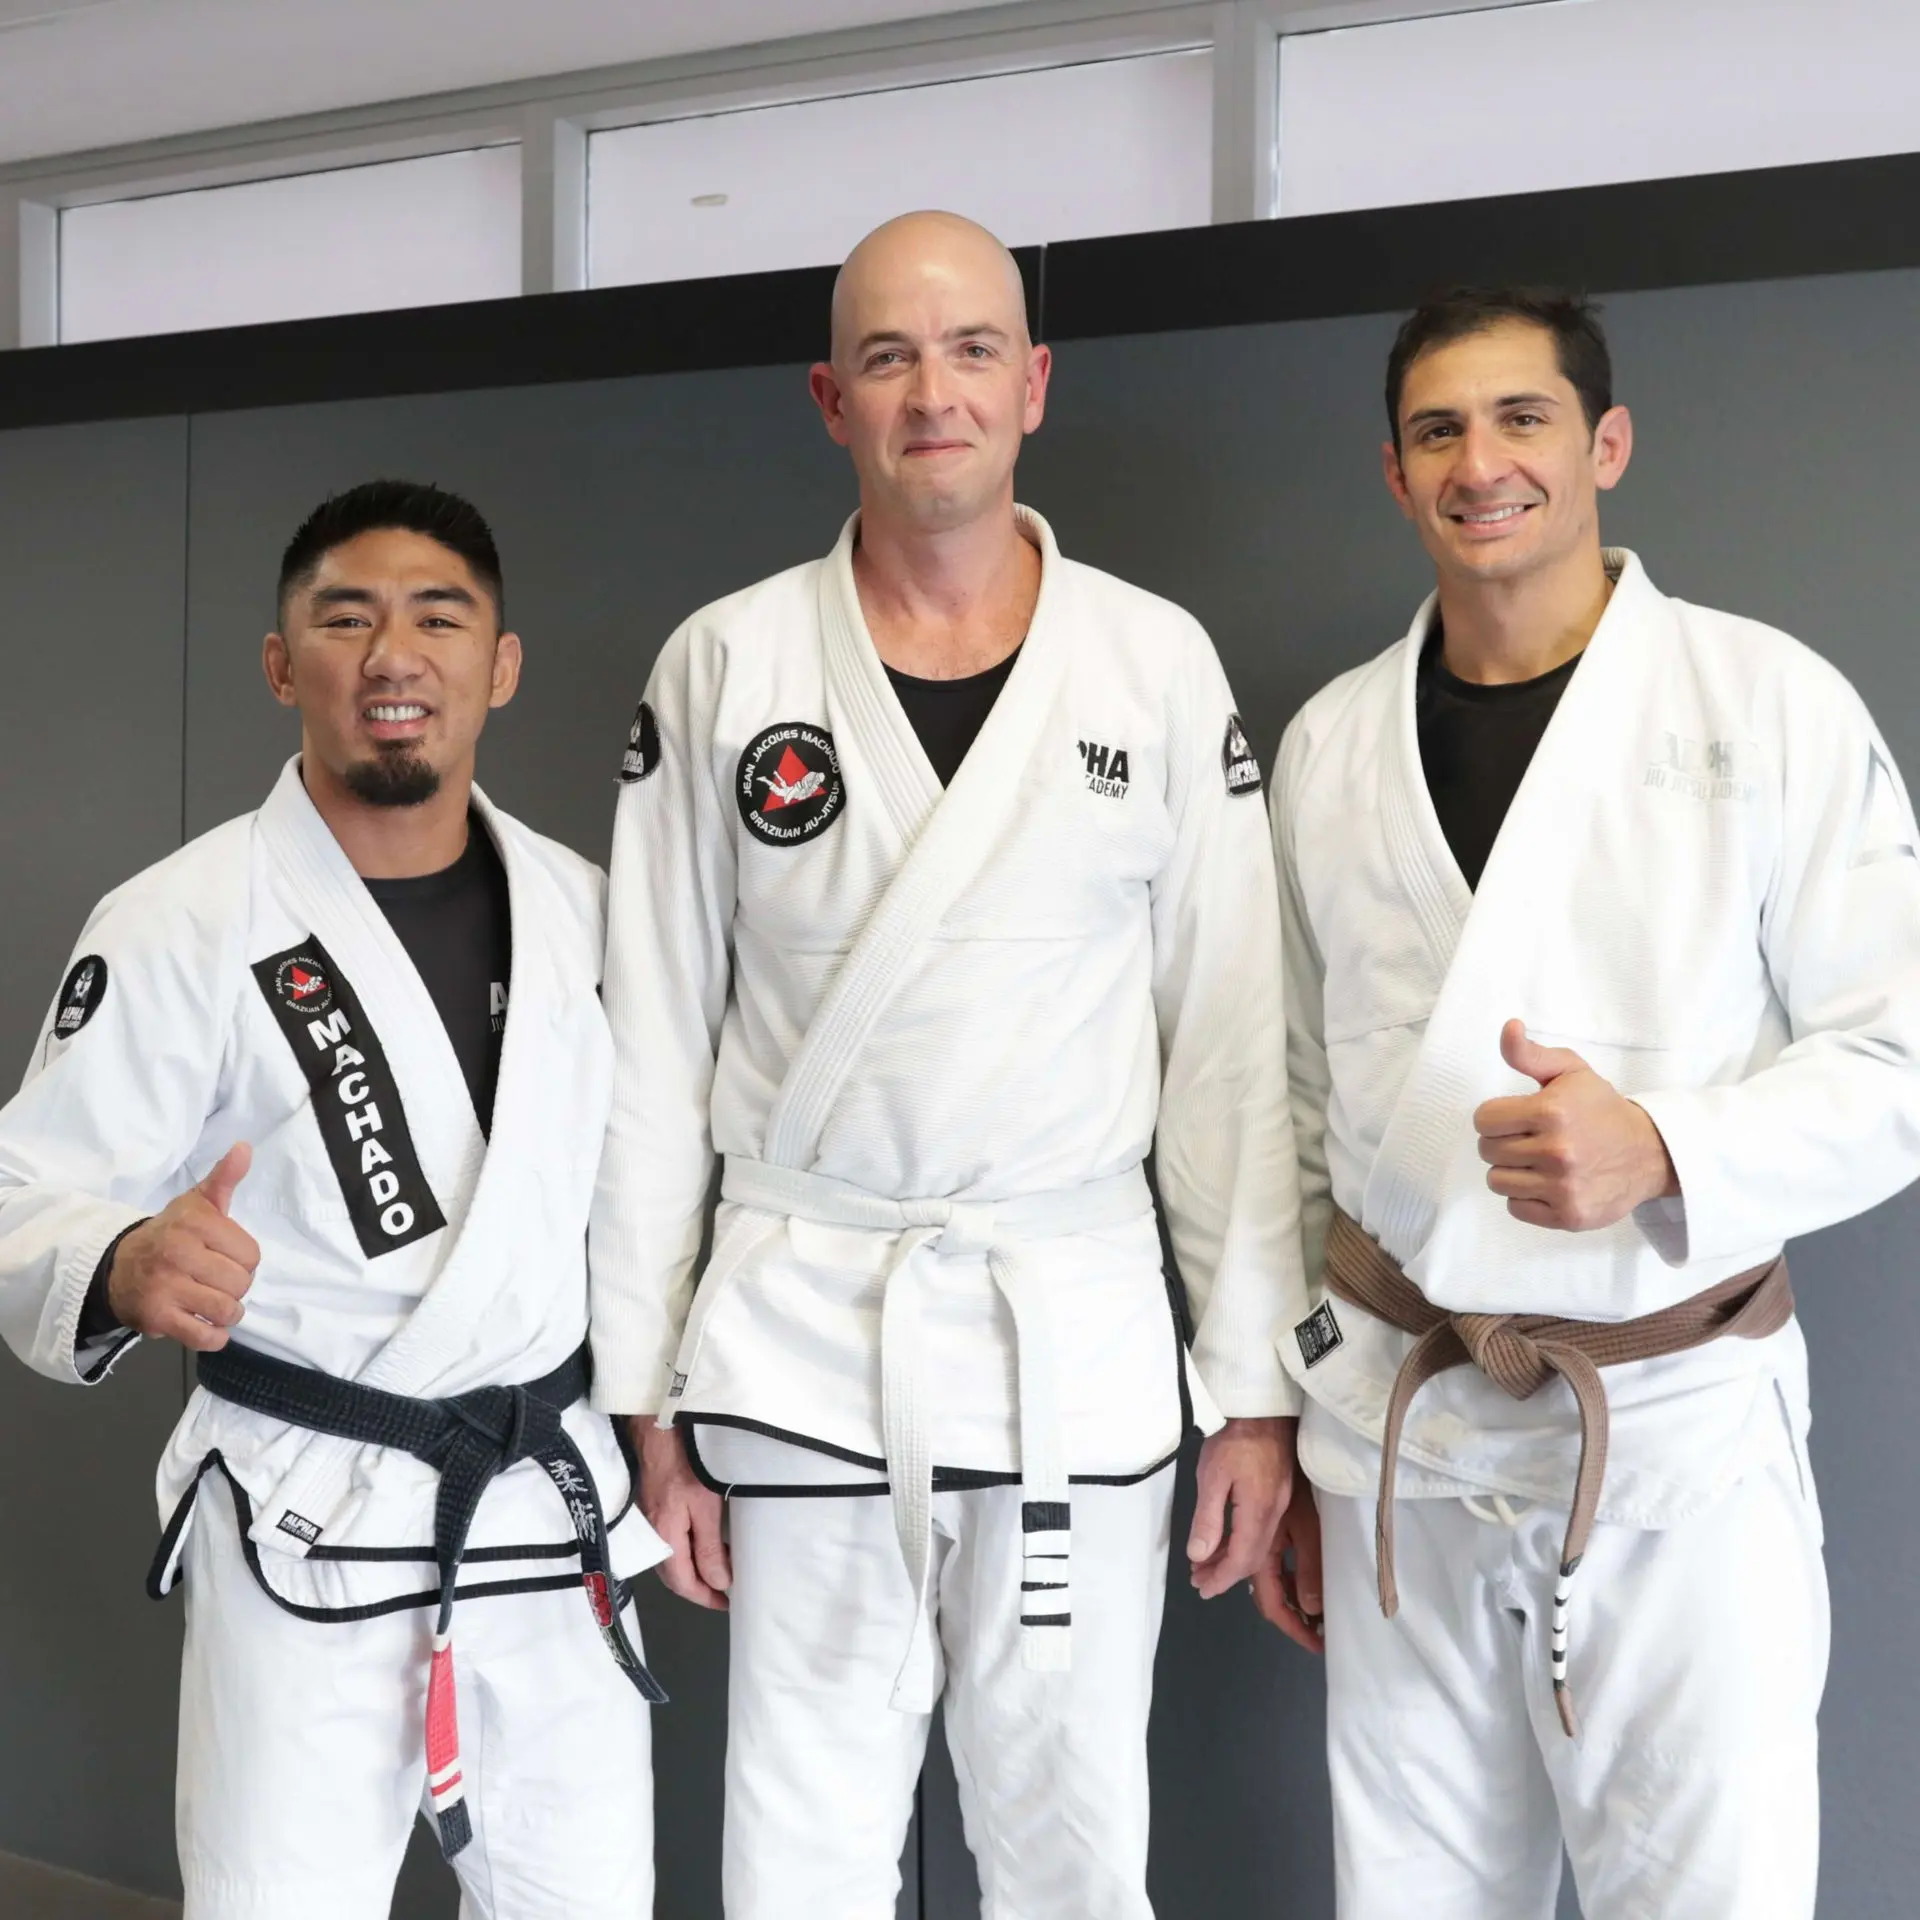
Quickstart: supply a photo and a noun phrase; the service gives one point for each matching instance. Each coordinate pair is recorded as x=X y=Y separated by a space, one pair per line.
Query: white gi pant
x=1052 y=1767
x=303 y=1753
x=1697 y=1658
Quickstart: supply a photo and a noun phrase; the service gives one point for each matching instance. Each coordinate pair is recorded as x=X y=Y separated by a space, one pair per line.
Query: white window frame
x=551 y=118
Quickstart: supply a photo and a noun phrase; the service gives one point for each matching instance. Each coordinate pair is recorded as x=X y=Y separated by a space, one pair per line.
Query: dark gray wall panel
x=93 y=554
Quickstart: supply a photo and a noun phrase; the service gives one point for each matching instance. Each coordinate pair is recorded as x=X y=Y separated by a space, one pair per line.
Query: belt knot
x=1511 y=1358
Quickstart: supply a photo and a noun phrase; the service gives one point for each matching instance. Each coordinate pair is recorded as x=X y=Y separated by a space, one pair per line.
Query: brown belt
x=1520 y=1352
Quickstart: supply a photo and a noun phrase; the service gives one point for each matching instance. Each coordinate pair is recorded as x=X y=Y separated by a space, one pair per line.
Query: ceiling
x=76 y=74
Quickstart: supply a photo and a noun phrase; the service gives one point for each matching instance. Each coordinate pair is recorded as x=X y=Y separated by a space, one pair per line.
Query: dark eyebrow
x=455 y=596
x=342 y=597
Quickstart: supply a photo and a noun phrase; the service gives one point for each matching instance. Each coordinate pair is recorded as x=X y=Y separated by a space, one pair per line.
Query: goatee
x=398 y=779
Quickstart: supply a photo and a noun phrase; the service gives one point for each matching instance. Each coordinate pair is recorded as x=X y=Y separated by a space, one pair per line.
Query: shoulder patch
x=788 y=784
x=80 y=995
x=1236 y=759
x=643 y=746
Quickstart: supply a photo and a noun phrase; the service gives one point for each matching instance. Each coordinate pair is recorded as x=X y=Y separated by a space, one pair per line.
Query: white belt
x=991 y=1227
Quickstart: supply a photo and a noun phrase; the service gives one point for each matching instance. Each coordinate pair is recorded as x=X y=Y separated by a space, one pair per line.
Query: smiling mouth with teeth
x=1492 y=516
x=397 y=712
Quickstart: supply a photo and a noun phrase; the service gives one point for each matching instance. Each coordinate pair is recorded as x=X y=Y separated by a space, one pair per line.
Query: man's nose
x=1482 y=457
x=392 y=653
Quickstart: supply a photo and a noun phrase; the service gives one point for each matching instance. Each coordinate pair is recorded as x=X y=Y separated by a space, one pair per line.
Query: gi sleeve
x=1224 y=1144
x=1303 y=974
x=1831 y=1125
x=669 y=959
x=124 y=1073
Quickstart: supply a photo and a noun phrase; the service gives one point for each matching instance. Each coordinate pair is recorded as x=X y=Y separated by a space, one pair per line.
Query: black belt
x=467 y=1438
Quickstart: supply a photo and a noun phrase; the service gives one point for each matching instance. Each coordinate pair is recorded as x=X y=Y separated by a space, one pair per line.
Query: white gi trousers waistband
x=932 y=1229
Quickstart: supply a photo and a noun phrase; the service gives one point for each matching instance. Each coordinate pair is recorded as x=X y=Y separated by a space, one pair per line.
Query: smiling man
x=941 y=892
x=1603 y=969
x=278 y=1114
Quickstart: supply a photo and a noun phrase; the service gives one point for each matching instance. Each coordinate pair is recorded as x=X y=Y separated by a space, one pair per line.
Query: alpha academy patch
x=356 y=1100
x=1236 y=756
x=80 y=995
x=788 y=784
x=643 y=746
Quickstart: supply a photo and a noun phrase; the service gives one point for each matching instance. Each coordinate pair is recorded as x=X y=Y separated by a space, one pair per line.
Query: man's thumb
x=1536 y=1062
x=218 y=1186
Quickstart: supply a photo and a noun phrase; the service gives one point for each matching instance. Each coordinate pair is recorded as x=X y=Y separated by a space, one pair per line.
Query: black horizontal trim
x=1766 y=223
x=945 y=1479
x=1771 y=223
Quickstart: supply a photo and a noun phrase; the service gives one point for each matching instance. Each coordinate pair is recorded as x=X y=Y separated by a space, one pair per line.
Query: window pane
x=1579 y=93
x=407 y=233
x=1117 y=146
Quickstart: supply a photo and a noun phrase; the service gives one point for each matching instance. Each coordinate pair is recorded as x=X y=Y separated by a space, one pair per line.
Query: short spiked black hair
x=408 y=505
x=1455 y=312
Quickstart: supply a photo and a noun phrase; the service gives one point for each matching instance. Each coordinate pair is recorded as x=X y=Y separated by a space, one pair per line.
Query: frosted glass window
x=1115 y=146
x=406 y=233
x=1583 y=92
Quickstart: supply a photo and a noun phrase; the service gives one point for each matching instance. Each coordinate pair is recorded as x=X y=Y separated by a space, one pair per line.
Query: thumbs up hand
x=183 y=1274
x=1576 y=1155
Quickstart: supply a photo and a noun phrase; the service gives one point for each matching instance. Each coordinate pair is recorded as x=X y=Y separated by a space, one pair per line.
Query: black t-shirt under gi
x=1476 y=743
x=948 y=714
x=458 y=932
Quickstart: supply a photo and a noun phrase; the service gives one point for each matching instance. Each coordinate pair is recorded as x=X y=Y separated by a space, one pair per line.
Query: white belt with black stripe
x=997 y=1229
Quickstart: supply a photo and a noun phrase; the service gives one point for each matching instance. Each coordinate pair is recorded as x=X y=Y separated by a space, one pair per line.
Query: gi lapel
x=468 y=1180
x=1426 y=1199
x=944 y=837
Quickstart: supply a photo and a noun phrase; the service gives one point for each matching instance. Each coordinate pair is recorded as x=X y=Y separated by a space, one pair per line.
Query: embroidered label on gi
x=1319 y=1333
x=788 y=784
x=643 y=746
x=80 y=995
x=363 y=1123
x=678 y=1388
x=1705 y=769
x=1237 y=760
x=1106 y=768
x=300 y=1527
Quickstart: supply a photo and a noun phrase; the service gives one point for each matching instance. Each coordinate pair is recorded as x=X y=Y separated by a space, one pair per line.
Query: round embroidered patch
x=643 y=746
x=302 y=984
x=788 y=784
x=80 y=995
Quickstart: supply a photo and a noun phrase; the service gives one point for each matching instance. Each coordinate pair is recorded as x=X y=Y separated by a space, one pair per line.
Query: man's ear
x=276 y=662
x=824 y=384
x=1612 y=447
x=1395 y=477
x=506 y=669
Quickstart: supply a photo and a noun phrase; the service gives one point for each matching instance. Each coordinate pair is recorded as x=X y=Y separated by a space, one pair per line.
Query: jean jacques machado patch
x=788 y=784
x=355 y=1098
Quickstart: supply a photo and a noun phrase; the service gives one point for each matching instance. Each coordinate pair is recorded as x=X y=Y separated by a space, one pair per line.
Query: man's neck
x=944 y=604
x=1496 y=632
x=391 y=843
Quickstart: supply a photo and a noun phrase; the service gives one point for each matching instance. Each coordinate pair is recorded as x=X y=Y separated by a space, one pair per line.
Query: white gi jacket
x=1708 y=886
x=986 y=1003
x=399 y=1246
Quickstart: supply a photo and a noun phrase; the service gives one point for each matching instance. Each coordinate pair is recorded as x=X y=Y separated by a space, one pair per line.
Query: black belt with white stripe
x=467 y=1438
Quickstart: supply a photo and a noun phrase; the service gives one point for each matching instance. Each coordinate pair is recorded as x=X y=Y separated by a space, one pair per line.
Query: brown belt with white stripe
x=1520 y=1352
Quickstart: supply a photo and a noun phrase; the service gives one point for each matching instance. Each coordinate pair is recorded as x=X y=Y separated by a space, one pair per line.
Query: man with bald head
x=940 y=895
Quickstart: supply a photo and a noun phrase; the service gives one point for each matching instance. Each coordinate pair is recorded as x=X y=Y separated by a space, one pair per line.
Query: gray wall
x=1235 y=471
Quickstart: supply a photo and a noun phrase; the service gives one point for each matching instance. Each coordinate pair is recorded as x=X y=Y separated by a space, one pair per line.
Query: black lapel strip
x=355 y=1098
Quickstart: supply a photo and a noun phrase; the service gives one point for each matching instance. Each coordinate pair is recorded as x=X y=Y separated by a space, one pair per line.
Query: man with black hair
x=1603 y=969
x=278 y=1113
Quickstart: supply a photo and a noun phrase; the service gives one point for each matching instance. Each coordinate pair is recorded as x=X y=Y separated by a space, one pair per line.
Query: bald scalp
x=920 y=248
